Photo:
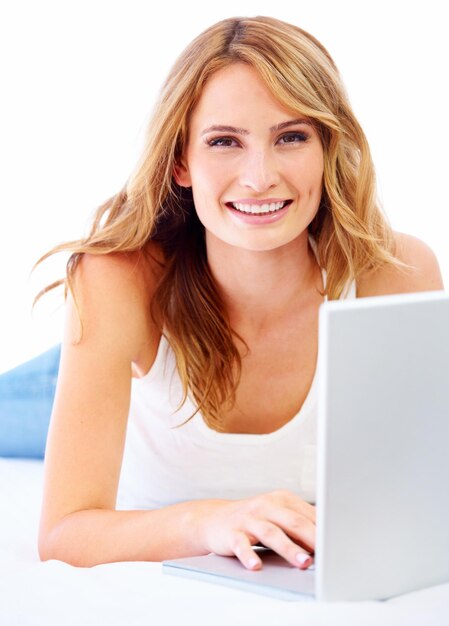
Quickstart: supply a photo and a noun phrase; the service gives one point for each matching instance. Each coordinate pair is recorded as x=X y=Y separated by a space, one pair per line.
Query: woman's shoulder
x=133 y=269
x=112 y=294
x=423 y=275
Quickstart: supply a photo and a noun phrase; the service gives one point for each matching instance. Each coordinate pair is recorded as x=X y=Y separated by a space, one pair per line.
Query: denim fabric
x=26 y=401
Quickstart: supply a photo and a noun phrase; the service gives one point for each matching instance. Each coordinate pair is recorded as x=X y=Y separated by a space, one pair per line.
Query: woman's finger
x=297 y=527
x=275 y=538
x=244 y=552
x=294 y=523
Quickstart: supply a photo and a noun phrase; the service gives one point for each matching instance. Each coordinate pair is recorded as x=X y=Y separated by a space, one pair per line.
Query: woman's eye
x=294 y=138
x=221 y=142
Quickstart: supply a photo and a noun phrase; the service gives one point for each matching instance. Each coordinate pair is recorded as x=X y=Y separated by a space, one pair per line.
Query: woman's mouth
x=258 y=209
x=256 y=214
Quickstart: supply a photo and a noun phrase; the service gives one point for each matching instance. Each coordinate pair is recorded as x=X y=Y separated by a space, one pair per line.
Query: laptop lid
x=383 y=458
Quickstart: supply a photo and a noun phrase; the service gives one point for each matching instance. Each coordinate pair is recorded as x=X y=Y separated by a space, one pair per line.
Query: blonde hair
x=350 y=230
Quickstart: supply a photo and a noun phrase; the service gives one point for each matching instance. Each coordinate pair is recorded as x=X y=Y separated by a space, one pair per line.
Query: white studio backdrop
x=79 y=80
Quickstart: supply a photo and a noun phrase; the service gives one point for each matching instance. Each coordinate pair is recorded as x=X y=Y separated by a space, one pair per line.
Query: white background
x=78 y=80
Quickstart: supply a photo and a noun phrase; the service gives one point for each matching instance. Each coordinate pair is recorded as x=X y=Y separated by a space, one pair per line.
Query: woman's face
x=255 y=170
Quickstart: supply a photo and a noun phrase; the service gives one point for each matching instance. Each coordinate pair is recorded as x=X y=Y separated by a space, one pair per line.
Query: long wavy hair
x=350 y=230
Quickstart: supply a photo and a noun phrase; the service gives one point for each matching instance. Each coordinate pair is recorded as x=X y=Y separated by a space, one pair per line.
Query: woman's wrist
x=198 y=523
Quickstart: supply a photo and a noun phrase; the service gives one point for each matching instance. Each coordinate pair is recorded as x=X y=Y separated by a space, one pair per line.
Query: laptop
x=383 y=459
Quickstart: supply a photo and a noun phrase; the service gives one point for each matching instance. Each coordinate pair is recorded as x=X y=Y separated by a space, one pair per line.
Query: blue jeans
x=26 y=400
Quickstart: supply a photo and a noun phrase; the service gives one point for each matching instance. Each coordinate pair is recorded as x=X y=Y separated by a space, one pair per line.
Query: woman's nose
x=259 y=171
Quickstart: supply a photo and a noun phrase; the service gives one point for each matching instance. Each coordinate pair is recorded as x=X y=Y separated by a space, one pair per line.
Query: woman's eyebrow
x=242 y=131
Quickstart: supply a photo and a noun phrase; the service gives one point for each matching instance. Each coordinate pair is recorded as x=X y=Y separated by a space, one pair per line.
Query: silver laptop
x=383 y=459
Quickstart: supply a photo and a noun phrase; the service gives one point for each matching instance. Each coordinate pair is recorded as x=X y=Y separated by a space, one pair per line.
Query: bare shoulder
x=113 y=295
x=423 y=275
x=132 y=271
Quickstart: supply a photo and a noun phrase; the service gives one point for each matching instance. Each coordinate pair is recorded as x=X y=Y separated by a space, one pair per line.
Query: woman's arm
x=88 y=425
x=86 y=441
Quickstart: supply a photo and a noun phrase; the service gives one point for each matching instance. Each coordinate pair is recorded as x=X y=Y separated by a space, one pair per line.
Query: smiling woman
x=186 y=391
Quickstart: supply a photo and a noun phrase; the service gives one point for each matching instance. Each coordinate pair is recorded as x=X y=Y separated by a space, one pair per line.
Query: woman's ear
x=181 y=174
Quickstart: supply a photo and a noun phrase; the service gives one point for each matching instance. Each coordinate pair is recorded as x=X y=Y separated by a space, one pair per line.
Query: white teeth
x=257 y=208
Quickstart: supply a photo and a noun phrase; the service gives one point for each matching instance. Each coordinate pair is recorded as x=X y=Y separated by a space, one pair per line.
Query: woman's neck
x=261 y=287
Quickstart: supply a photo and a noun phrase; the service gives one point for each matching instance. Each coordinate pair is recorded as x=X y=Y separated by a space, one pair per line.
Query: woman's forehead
x=235 y=93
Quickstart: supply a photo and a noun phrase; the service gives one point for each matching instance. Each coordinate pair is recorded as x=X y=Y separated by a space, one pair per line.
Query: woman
x=198 y=289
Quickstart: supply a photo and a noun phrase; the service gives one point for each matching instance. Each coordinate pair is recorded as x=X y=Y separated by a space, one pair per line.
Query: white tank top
x=163 y=466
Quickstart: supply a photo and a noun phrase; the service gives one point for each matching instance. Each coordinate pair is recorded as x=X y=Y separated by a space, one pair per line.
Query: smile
x=259 y=209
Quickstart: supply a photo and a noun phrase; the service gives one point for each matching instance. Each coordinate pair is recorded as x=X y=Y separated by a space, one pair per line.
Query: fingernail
x=253 y=562
x=302 y=557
